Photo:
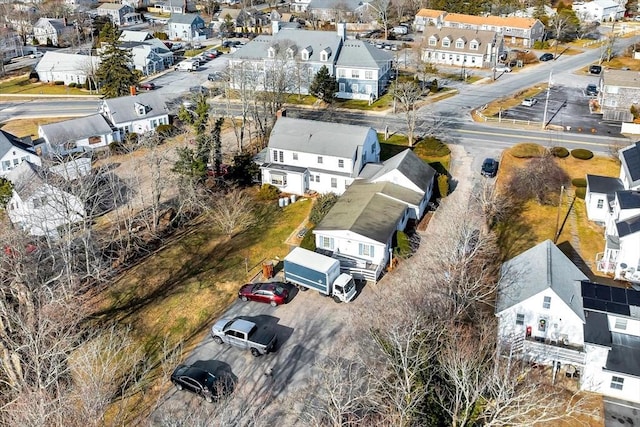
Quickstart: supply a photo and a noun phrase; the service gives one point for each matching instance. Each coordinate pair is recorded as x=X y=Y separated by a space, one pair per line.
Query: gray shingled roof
x=623 y=356
x=75 y=129
x=26 y=178
x=349 y=5
x=318 y=40
x=604 y=184
x=315 y=137
x=69 y=62
x=628 y=226
x=630 y=157
x=483 y=37
x=628 y=199
x=9 y=141
x=111 y=6
x=123 y=109
x=356 y=53
x=183 y=18
x=536 y=269
x=621 y=78
x=407 y=163
x=368 y=210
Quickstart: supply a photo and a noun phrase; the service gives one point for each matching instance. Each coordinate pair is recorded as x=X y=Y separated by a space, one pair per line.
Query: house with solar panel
x=13 y=151
x=615 y=203
x=549 y=313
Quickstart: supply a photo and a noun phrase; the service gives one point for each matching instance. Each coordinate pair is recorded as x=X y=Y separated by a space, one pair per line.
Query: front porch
x=545 y=351
x=359 y=268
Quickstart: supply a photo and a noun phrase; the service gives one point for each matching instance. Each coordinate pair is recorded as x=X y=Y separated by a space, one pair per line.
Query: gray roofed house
x=406 y=163
x=140 y=114
x=618 y=90
x=76 y=135
x=630 y=164
x=628 y=226
x=360 y=54
x=362 y=70
x=461 y=47
x=13 y=151
x=338 y=10
x=601 y=192
x=187 y=27
x=542 y=267
x=66 y=67
x=54 y=31
x=118 y=12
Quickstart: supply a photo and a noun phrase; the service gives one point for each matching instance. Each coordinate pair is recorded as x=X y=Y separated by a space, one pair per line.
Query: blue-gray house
x=362 y=70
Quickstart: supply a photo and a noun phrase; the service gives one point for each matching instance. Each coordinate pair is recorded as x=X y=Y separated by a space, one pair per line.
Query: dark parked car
x=591 y=90
x=197 y=381
x=273 y=293
x=546 y=57
x=147 y=86
x=489 y=168
x=199 y=90
x=216 y=75
x=595 y=69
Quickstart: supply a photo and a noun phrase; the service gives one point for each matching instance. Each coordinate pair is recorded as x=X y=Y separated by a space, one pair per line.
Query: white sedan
x=36 y=55
x=502 y=69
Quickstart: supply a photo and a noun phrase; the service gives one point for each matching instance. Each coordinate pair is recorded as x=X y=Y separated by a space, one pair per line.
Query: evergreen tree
x=6 y=191
x=323 y=85
x=115 y=72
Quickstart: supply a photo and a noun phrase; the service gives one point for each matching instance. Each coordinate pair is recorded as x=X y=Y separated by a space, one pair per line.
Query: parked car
x=244 y=334
x=273 y=293
x=197 y=45
x=36 y=55
x=197 y=381
x=529 y=102
x=147 y=86
x=546 y=57
x=591 y=90
x=199 y=90
x=489 y=167
x=380 y=45
x=595 y=69
x=502 y=68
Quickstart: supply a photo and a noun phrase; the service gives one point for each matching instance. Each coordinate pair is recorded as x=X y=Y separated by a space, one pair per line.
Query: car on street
x=36 y=55
x=147 y=86
x=489 y=167
x=501 y=68
x=546 y=57
x=591 y=90
x=380 y=45
x=244 y=334
x=199 y=90
x=273 y=293
x=198 y=381
x=214 y=76
x=529 y=102
x=595 y=69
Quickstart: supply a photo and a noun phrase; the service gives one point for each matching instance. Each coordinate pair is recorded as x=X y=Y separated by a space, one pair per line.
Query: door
x=341 y=87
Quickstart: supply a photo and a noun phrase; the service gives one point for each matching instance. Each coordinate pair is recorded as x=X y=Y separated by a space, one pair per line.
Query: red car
x=273 y=293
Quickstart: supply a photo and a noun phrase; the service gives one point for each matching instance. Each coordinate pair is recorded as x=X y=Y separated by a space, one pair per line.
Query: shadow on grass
x=513 y=233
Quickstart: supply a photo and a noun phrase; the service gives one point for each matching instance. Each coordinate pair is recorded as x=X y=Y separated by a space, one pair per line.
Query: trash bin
x=267 y=269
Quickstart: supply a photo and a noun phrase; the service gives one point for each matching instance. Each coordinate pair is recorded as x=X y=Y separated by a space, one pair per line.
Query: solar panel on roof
x=603 y=293
x=613 y=307
x=632 y=158
x=588 y=289
x=594 y=304
x=633 y=297
x=619 y=295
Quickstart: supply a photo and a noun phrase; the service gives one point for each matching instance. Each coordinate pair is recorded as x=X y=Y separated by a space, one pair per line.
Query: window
x=368 y=75
x=519 y=319
x=340 y=163
x=317 y=178
x=621 y=324
x=366 y=250
x=473 y=46
x=295 y=156
x=327 y=242
x=16 y=162
x=334 y=182
x=355 y=74
x=354 y=88
x=442 y=56
x=305 y=55
x=546 y=303
x=600 y=203
x=459 y=44
x=311 y=177
x=432 y=41
x=271 y=53
x=446 y=43
x=617 y=382
x=278 y=179
x=320 y=159
x=275 y=155
x=6 y=165
x=281 y=155
x=342 y=73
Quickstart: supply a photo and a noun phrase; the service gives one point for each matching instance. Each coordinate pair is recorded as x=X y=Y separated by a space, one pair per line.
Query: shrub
x=527 y=150
x=443 y=185
x=403 y=246
x=560 y=152
x=72 y=84
x=433 y=147
x=434 y=86
x=309 y=241
x=321 y=207
x=58 y=83
x=541 y=44
x=117 y=148
x=268 y=192
x=131 y=138
x=579 y=182
x=161 y=35
x=582 y=154
x=581 y=192
x=165 y=130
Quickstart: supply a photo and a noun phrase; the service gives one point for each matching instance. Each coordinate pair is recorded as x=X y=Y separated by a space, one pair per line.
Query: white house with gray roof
x=188 y=27
x=66 y=67
x=360 y=229
x=77 y=135
x=54 y=31
x=308 y=155
x=338 y=10
x=14 y=151
x=120 y=14
x=461 y=47
x=145 y=50
x=362 y=70
x=140 y=114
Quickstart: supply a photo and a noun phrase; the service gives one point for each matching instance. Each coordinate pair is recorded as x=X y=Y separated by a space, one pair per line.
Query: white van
x=188 y=65
x=400 y=29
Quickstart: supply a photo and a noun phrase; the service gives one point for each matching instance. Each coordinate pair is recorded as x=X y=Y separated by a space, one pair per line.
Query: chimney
x=275 y=27
x=341 y=28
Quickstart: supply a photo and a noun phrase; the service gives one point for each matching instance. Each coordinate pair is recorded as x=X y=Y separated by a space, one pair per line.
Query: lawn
x=536 y=223
x=28 y=127
x=383 y=103
x=431 y=150
x=493 y=108
x=22 y=86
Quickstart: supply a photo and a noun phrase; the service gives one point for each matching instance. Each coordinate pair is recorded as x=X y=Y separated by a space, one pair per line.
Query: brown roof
x=496 y=21
x=621 y=78
x=430 y=13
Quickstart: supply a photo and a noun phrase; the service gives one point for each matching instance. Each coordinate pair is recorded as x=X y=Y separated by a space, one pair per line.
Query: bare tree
x=539 y=179
x=408 y=94
x=380 y=11
x=233 y=212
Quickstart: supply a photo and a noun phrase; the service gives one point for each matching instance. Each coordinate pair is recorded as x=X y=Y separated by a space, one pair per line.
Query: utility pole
x=546 y=103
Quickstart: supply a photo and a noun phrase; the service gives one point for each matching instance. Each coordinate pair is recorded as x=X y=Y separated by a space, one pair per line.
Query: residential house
x=39 y=205
x=515 y=31
x=549 y=313
x=77 y=135
x=338 y=10
x=145 y=49
x=67 y=67
x=428 y=17
x=530 y=12
x=10 y=45
x=299 y=5
x=360 y=229
x=188 y=27
x=140 y=114
x=598 y=11
x=55 y=32
x=80 y=5
x=615 y=203
x=172 y=6
x=362 y=71
x=619 y=90
x=465 y=48
x=308 y=155
x=120 y=14
x=14 y=151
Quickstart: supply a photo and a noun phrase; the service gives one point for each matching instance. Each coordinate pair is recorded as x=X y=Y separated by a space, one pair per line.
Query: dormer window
x=291 y=52
x=325 y=54
x=271 y=52
x=306 y=53
x=446 y=42
x=141 y=109
x=473 y=45
x=459 y=44
x=433 y=41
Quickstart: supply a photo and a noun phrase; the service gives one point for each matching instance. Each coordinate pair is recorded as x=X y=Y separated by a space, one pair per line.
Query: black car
x=216 y=75
x=198 y=90
x=595 y=69
x=546 y=57
x=489 y=168
x=591 y=90
x=197 y=381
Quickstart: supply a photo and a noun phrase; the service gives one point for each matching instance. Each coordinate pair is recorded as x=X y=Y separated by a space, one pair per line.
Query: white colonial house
x=54 y=31
x=598 y=10
x=140 y=114
x=14 y=151
x=77 y=135
x=309 y=155
x=145 y=48
x=515 y=31
x=360 y=229
x=38 y=206
x=188 y=27
x=615 y=203
x=549 y=313
x=461 y=47
x=120 y=14
x=67 y=67
x=428 y=17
